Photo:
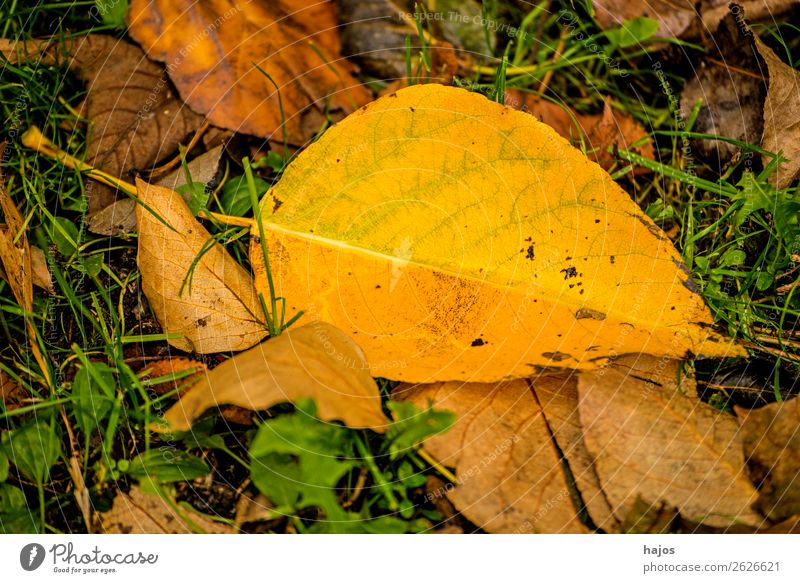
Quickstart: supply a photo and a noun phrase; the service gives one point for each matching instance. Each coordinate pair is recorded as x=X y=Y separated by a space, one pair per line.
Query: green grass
x=739 y=236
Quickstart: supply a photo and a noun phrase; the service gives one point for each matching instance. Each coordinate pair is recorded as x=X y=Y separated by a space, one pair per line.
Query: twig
x=177 y=159
x=34 y=140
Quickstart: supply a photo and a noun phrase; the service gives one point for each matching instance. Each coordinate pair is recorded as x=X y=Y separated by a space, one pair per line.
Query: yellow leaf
x=213 y=305
x=456 y=239
x=316 y=361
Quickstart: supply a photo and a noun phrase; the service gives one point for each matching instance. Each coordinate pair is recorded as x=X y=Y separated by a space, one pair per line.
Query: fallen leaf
x=508 y=470
x=374 y=35
x=647 y=518
x=558 y=400
x=781 y=116
x=674 y=18
x=16 y=260
x=315 y=361
x=139 y=512
x=651 y=441
x=213 y=51
x=682 y=18
x=176 y=367
x=136 y=118
x=119 y=218
x=771 y=440
x=457 y=239
x=598 y=131
x=203 y=169
x=212 y=304
x=40 y=277
x=731 y=94
x=12 y=396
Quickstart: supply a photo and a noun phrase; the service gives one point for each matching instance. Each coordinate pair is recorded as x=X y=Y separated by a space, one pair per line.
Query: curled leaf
x=315 y=361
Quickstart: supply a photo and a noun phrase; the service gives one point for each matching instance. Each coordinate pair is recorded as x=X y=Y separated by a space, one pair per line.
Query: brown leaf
x=139 y=512
x=730 y=91
x=781 y=116
x=374 y=36
x=213 y=51
x=316 y=361
x=175 y=367
x=559 y=402
x=12 y=395
x=136 y=117
x=598 y=131
x=374 y=33
x=509 y=474
x=119 y=218
x=771 y=441
x=217 y=309
x=650 y=440
x=682 y=18
x=17 y=262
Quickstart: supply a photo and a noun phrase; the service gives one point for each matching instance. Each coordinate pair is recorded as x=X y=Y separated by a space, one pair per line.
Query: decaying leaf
x=136 y=118
x=16 y=261
x=674 y=17
x=11 y=394
x=212 y=303
x=746 y=93
x=650 y=440
x=213 y=51
x=374 y=35
x=185 y=371
x=119 y=218
x=558 y=399
x=599 y=132
x=457 y=239
x=682 y=18
x=139 y=512
x=771 y=439
x=781 y=116
x=315 y=361
x=508 y=470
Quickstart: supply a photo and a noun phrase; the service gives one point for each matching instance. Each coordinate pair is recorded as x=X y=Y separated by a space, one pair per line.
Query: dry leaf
x=457 y=239
x=558 y=399
x=214 y=305
x=508 y=470
x=781 y=116
x=598 y=131
x=12 y=396
x=771 y=440
x=650 y=440
x=175 y=366
x=374 y=35
x=139 y=512
x=680 y=18
x=119 y=218
x=136 y=118
x=213 y=50
x=315 y=361
x=675 y=18
x=16 y=260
